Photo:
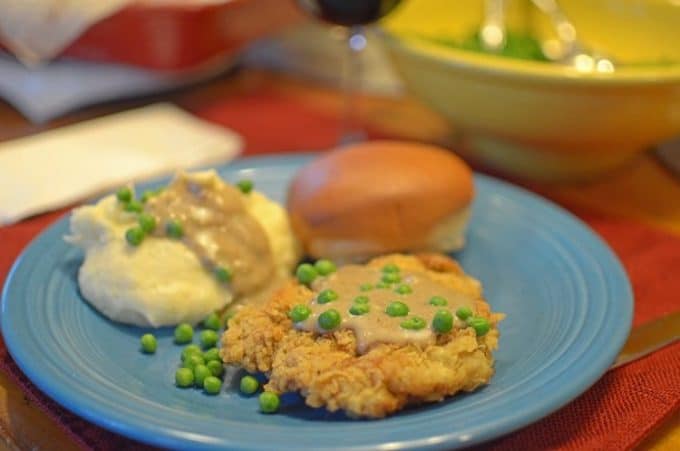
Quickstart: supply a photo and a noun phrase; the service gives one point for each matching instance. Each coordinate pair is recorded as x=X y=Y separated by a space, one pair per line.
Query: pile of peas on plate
x=201 y=365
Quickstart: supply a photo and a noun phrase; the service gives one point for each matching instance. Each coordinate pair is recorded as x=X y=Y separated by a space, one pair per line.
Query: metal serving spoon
x=492 y=33
x=567 y=49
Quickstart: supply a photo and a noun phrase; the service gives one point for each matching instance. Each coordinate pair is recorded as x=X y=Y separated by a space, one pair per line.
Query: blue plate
x=567 y=299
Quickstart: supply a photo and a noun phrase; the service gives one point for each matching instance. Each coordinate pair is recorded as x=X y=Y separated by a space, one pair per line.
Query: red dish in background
x=179 y=37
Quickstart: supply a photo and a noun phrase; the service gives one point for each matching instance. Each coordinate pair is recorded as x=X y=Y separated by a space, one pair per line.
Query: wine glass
x=352 y=15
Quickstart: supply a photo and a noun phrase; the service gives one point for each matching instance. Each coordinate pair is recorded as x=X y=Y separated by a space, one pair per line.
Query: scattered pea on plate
x=213 y=322
x=269 y=402
x=184 y=333
x=149 y=344
x=248 y=385
x=212 y=385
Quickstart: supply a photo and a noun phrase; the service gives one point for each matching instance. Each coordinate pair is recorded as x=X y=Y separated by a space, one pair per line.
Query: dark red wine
x=349 y=12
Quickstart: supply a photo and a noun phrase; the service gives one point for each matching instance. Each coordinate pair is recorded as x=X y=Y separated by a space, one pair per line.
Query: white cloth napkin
x=46 y=92
x=59 y=167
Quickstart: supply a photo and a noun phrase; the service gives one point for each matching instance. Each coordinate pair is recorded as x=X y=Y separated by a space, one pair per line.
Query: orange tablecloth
x=637 y=211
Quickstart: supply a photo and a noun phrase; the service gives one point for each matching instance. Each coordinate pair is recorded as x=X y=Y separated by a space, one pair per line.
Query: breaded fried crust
x=328 y=371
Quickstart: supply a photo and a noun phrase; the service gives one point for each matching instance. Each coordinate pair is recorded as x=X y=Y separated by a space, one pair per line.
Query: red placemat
x=616 y=413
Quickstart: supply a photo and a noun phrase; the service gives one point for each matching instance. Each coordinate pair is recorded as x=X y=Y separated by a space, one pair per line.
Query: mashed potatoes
x=161 y=282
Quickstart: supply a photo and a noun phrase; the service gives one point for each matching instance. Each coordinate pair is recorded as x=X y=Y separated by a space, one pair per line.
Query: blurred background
x=537 y=89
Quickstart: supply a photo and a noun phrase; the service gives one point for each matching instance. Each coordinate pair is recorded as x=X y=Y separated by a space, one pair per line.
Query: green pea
x=366 y=287
x=245 y=185
x=480 y=325
x=223 y=274
x=174 y=229
x=299 y=313
x=380 y=285
x=149 y=343
x=464 y=313
x=397 y=308
x=146 y=195
x=200 y=373
x=191 y=349
x=361 y=299
x=184 y=333
x=193 y=360
x=134 y=236
x=390 y=267
x=212 y=354
x=306 y=273
x=359 y=309
x=215 y=368
x=442 y=322
x=269 y=402
x=184 y=377
x=330 y=319
x=212 y=385
x=208 y=338
x=147 y=222
x=212 y=321
x=438 y=301
x=391 y=277
x=226 y=317
x=413 y=323
x=124 y=194
x=324 y=267
x=248 y=385
x=327 y=296
x=133 y=206
x=404 y=289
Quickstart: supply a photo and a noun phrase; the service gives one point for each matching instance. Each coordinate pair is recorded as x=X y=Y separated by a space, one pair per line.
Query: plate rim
x=160 y=435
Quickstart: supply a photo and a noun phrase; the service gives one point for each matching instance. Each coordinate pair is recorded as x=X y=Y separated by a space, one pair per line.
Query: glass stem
x=356 y=43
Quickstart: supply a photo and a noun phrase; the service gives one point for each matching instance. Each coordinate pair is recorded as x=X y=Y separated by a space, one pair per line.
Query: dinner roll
x=377 y=197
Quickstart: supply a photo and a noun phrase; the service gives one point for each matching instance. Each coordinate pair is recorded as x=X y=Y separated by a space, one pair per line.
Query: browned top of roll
x=388 y=192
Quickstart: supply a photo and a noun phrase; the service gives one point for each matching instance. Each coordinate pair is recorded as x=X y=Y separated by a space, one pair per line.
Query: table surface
x=23 y=425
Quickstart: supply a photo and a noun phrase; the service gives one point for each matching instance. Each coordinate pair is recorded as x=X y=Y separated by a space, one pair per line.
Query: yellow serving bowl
x=536 y=120
x=629 y=31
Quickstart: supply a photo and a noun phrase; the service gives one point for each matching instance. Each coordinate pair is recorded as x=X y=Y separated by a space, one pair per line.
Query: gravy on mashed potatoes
x=166 y=281
x=217 y=228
